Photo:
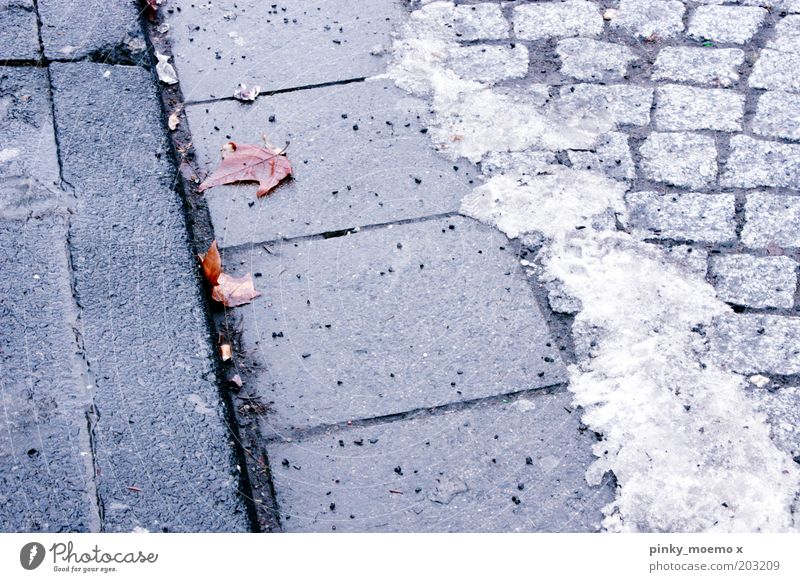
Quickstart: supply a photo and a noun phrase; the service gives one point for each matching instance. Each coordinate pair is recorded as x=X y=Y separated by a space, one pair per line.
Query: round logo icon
x=31 y=555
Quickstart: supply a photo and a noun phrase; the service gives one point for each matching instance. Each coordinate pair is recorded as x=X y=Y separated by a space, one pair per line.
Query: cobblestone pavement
x=406 y=368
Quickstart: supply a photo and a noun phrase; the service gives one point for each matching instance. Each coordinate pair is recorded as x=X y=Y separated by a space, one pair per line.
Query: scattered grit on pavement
x=611 y=345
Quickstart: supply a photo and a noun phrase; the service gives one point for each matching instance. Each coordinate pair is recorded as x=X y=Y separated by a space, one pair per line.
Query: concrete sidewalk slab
x=277 y=45
x=513 y=466
x=19 y=33
x=47 y=476
x=389 y=320
x=163 y=449
x=97 y=28
x=359 y=153
x=27 y=141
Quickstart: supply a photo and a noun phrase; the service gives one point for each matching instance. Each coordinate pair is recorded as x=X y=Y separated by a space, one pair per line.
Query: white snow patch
x=689 y=448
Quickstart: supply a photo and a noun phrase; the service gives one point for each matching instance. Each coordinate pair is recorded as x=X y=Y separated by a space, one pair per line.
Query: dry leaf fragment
x=228 y=290
x=236 y=380
x=226 y=352
x=234 y=291
x=242 y=93
x=166 y=72
x=212 y=263
x=250 y=163
x=151 y=8
x=173 y=121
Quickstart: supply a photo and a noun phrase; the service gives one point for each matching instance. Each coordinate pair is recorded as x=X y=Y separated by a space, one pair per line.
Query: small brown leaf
x=212 y=263
x=234 y=291
x=225 y=352
x=151 y=8
x=250 y=163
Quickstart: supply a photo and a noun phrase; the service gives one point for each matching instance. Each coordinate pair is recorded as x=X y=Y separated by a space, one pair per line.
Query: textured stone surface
x=755 y=281
x=102 y=29
x=480 y=22
x=543 y=20
x=787 y=35
x=489 y=63
x=344 y=177
x=708 y=66
x=622 y=104
x=682 y=159
x=752 y=344
x=755 y=163
x=439 y=315
x=734 y=24
x=649 y=18
x=682 y=216
x=219 y=45
x=160 y=428
x=771 y=218
x=611 y=155
x=592 y=60
x=681 y=108
x=27 y=141
x=776 y=70
x=778 y=115
x=506 y=467
x=46 y=472
x=19 y=34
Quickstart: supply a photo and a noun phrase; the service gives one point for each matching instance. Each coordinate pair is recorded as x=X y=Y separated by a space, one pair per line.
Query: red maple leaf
x=250 y=163
x=228 y=290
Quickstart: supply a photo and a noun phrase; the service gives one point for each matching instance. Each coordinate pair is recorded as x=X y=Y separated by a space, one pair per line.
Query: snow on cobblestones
x=690 y=449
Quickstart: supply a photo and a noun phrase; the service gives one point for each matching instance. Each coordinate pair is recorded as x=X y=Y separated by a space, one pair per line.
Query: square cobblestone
x=787 y=35
x=623 y=104
x=593 y=60
x=681 y=159
x=441 y=316
x=755 y=281
x=650 y=18
x=771 y=219
x=734 y=24
x=359 y=154
x=507 y=467
x=754 y=163
x=707 y=66
x=682 y=216
x=543 y=20
x=611 y=155
x=680 y=108
x=776 y=70
x=757 y=344
x=489 y=63
x=778 y=115
x=479 y=22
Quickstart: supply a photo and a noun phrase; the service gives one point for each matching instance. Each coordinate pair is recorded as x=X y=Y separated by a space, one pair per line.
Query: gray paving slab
x=359 y=153
x=163 y=448
x=97 y=28
x=27 y=140
x=46 y=472
x=505 y=467
x=19 y=33
x=389 y=320
x=278 y=45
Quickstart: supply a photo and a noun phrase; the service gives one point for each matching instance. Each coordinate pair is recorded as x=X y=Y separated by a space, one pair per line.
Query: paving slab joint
x=262 y=517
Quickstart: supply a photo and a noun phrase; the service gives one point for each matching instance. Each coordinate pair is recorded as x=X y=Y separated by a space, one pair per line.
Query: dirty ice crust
x=688 y=447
